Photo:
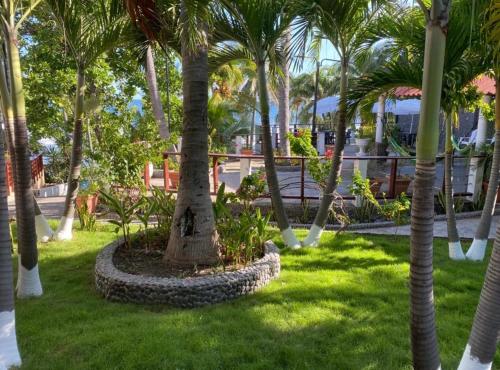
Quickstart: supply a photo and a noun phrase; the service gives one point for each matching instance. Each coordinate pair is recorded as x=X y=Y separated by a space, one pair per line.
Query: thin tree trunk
x=28 y=277
x=65 y=229
x=284 y=100
x=43 y=230
x=379 y=132
x=193 y=237
x=478 y=248
x=482 y=344
x=424 y=344
x=252 y=127
x=454 y=246
x=155 y=95
x=271 y=175
x=334 y=175
x=9 y=353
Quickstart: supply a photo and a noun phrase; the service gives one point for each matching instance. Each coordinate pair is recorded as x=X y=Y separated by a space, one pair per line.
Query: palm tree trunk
x=252 y=127
x=9 y=353
x=43 y=230
x=28 y=283
x=424 y=344
x=64 y=231
x=478 y=247
x=155 y=95
x=271 y=175
x=193 y=237
x=454 y=246
x=284 y=100
x=338 y=153
x=482 y=343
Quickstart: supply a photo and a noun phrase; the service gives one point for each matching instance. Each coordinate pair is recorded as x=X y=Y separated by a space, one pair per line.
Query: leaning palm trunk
x=43 y=230
x=9 y=353
x=284 y=101
x=155 y=95
x=424 y=344
x=271 y=175
x=334 y=176
x=482 y=343
x=28 y=283
x=193 y=238
x=454 y=246
x=477 y=249
x=64 y=231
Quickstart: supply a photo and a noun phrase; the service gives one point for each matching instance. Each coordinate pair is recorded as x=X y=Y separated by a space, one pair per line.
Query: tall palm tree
x=193 y=238
x=344 y=24
x=477 y=249
x=13 y=104
x=90 y=28
x=463 y=63
x=482 y=343
x=9 y=353
x=154 y=93
x=251 y=30
x=422 y=316
x=284 y=98
x=483 y=339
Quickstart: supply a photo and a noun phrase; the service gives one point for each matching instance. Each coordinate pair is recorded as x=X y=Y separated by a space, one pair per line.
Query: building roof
x=484 y=84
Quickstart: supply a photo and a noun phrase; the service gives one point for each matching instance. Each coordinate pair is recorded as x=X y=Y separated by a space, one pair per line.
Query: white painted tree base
x=9 y=352
x=65 y=229
x=28 y=282
x=455 y=251
x=312 y=239
x=477 y=250
x=44 y=232
x=470 y=362
x=290 y=239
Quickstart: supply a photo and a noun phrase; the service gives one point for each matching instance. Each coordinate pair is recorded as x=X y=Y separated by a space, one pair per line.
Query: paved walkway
x=466 y=228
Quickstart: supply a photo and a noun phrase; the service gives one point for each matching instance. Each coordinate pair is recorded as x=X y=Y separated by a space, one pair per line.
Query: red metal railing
x=36 y=172
x=392 y=178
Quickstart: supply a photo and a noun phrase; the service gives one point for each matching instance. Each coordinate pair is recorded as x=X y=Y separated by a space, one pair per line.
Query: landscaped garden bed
x=177 y=287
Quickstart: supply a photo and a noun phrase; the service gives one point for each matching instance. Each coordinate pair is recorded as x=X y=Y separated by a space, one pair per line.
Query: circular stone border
x=116 y=285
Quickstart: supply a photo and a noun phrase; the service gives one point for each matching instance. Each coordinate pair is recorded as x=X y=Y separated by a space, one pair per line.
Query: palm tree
x=9 y=353
x=256 y=27
x=154 y=93
x=344 y=24
x=483 y=339
x=193 y=238
x=463 y=63
x=422 y=316
x=478 y=247
x=90 y=29
x=43 y=230
x=284 y=99
x=13 y=105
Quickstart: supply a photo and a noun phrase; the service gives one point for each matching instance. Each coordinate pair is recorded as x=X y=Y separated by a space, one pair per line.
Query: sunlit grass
x=341 y=306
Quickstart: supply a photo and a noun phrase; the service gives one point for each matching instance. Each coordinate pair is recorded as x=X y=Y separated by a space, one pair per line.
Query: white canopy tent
x=400 y=107
x=396 y=107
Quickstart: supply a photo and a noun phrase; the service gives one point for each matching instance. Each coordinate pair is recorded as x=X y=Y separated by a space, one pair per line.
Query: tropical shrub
x=125 y=210
x=241 y=239
x=87 y=219
x=252 y=187
x=301 y=144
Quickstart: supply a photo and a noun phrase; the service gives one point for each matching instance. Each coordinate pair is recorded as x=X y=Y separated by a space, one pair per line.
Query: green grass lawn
x=341 y=306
